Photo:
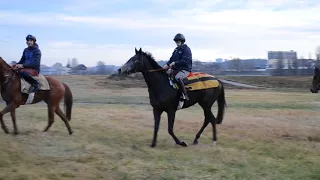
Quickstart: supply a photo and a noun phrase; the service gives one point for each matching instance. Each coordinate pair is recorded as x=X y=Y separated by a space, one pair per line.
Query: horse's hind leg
x=214 y=129
x=205 y=124
x=209 y=117
x=51 y=110
x=64 y=119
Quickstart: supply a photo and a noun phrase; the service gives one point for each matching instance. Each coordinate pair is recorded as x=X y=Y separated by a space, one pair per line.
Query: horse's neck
x=6 y=76
x=157 y=82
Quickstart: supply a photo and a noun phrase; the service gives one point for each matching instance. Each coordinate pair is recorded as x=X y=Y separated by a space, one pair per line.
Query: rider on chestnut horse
x=29 y=64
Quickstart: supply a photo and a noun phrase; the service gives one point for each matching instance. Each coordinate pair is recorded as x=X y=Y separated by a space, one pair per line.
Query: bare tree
x=57 y=65
x=68 y=64
x=74 y=62
x=236 y=64
x=101 y=68
x=318 y=55
x=296 y=64
x=280 y=66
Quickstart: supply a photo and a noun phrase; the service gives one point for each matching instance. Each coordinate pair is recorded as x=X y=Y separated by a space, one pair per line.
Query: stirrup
x=182 y=97
x=180 y=105
x=34 y=88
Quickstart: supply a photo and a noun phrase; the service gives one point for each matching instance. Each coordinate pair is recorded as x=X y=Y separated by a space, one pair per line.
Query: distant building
x=46 y=70
x=219 y=60
x=284 y=58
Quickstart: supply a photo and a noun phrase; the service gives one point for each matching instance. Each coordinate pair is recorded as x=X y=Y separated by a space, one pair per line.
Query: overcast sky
x=109 y=30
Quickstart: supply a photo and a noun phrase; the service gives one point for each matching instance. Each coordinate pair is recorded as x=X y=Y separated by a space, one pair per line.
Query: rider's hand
x=18 y=66
x=165 y=66
x=172 y=64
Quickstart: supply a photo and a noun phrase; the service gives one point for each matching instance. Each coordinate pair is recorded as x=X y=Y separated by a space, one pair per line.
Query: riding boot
x=35 y=85
x=183 y=89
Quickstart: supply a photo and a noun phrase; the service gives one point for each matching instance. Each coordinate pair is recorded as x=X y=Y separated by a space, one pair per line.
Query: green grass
x=265 y=135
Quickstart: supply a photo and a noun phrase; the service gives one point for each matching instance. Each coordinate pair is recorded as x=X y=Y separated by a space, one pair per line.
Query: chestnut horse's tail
x=68 y=101
x=222 y=104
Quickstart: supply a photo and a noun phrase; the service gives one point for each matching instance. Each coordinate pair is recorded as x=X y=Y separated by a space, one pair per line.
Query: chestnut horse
x=11 y=94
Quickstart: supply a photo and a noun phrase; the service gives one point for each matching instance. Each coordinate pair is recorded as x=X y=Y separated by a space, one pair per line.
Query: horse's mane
x=152 y=61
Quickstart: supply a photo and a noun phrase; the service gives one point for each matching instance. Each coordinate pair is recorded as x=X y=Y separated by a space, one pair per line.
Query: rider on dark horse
x=29 y=64
x=180 y=62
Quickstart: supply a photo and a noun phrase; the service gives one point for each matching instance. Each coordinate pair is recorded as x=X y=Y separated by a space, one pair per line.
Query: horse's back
x=54 y=83
x=200 y=81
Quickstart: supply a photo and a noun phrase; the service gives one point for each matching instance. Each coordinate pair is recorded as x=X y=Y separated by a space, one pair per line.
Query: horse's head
x=134 y=64
x=316 y=80
x=140 y=62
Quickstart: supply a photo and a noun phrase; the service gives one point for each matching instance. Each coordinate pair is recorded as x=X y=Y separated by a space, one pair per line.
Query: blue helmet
x=179 y=37
x=31 y=37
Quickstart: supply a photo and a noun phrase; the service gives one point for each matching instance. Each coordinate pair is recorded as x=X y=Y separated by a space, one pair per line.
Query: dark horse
x=11 y=94
x=316 y=80
x=164 y=98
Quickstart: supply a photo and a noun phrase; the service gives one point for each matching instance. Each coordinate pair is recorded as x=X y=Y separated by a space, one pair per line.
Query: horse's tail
x=222 y=104
x=68 y=101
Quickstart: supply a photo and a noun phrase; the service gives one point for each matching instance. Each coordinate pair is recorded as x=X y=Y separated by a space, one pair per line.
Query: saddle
x=196 y=81
x=25 y=85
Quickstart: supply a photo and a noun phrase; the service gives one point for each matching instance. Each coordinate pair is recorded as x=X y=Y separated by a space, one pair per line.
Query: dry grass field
x=265 y=135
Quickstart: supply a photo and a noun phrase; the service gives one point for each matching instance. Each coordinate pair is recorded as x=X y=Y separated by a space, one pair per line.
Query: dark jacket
x=31 y=58
x=182 y=57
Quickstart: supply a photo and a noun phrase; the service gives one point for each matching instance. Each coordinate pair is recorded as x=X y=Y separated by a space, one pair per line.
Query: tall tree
x=74 y=62
x=318 y=55
x=101 y=67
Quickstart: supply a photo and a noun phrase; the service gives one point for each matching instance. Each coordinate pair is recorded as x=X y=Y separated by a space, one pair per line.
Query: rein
x=157 y=70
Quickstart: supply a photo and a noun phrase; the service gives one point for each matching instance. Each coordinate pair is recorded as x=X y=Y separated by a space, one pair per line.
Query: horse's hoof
x=16 y=133
x=195 y=143
x=214 y=143
x=71 y=132
x=5 y=129
x=153 y=145
x=184 y=144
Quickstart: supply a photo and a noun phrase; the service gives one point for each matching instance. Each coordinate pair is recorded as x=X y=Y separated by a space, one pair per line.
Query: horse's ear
x=140 y=50
x=136 y=50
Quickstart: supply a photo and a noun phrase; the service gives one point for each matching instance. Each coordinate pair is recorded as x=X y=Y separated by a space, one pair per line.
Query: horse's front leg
x=171 y=118
x=13 y=117
x=157 y=116
x=9 y=108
